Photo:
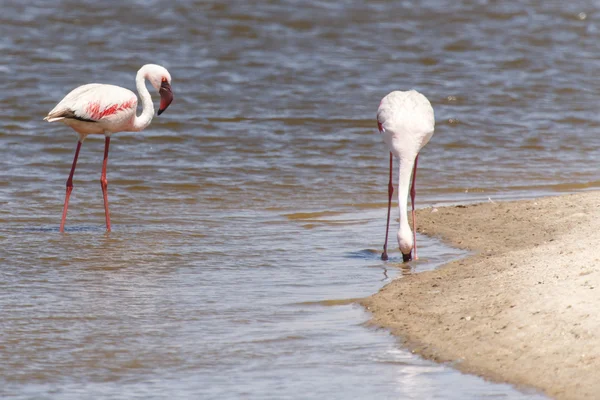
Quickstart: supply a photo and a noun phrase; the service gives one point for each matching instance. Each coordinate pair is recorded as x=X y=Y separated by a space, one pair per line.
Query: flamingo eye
x=164 y=79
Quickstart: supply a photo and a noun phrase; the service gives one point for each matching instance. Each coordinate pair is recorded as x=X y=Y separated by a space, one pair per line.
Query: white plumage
x=406 y=122
x=110 y=109
x=106 y=109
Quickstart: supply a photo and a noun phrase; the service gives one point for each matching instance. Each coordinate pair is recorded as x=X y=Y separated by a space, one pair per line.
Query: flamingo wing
x=93 y=103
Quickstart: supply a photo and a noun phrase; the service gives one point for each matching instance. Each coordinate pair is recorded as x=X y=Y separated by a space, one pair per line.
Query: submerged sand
x=523 y=308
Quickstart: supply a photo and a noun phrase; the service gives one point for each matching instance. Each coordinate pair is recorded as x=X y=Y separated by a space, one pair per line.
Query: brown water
x=258 y=199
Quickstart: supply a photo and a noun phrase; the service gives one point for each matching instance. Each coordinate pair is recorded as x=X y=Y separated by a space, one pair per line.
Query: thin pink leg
x=412 y=203
x=104 y=183
x=384 y=256
x=69 y=188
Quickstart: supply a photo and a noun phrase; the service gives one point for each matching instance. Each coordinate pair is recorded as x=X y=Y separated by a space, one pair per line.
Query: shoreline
x=521 y=308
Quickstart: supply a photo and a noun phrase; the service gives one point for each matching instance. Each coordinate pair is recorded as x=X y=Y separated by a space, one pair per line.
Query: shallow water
x=257 y=199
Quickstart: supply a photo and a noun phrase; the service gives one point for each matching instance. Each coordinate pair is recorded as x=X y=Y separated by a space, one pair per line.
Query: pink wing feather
x=93 y=103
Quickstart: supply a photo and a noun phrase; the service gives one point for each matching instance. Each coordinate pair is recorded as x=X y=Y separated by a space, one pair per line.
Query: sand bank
x=523 y=308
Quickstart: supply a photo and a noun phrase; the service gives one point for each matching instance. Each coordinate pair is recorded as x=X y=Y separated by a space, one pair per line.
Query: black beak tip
x=407 y=257
x=159 y=112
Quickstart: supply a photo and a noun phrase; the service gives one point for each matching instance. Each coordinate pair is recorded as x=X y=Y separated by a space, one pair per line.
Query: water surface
x=258 y=199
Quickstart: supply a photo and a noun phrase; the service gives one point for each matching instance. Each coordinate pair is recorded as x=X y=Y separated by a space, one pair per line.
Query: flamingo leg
x=384 y=255
x=104 y=183
x=412 y=203
x=69 y=188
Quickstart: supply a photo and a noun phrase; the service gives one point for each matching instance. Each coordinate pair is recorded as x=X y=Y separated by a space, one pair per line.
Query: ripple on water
x=260 y=195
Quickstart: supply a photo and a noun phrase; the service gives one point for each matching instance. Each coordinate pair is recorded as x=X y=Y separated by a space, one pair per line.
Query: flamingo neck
x=142 y=121
x=405 y=237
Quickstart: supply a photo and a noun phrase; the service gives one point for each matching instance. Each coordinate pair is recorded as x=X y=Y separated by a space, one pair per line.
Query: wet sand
x=523 y=308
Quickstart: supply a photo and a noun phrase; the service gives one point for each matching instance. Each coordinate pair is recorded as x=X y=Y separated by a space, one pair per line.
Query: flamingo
x=406 y=122
x=106 y=109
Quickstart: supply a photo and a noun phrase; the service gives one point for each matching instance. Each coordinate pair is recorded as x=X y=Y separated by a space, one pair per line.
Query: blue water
x=244 y=212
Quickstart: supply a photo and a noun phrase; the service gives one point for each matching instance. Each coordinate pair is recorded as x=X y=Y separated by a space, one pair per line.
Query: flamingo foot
x=384 y=255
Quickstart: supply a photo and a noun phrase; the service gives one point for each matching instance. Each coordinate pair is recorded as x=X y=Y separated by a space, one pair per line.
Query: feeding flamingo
x=106 y=109
x=406 y=121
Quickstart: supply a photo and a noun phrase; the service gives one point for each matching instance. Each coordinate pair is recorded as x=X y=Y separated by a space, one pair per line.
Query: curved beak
x=166 y=96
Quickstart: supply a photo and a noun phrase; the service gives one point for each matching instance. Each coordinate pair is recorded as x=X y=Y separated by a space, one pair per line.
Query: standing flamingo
x=406 y=121
x=106 y=109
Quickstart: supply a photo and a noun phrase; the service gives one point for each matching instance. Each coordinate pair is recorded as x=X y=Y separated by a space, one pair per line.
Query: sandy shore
x=524 y=308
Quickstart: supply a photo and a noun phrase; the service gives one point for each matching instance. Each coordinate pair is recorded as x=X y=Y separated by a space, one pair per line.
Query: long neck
x=405 y=173
x=145 y=117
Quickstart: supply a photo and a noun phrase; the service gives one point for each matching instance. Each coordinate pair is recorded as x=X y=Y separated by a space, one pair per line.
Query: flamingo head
x=405 y=242
x=160 y=79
